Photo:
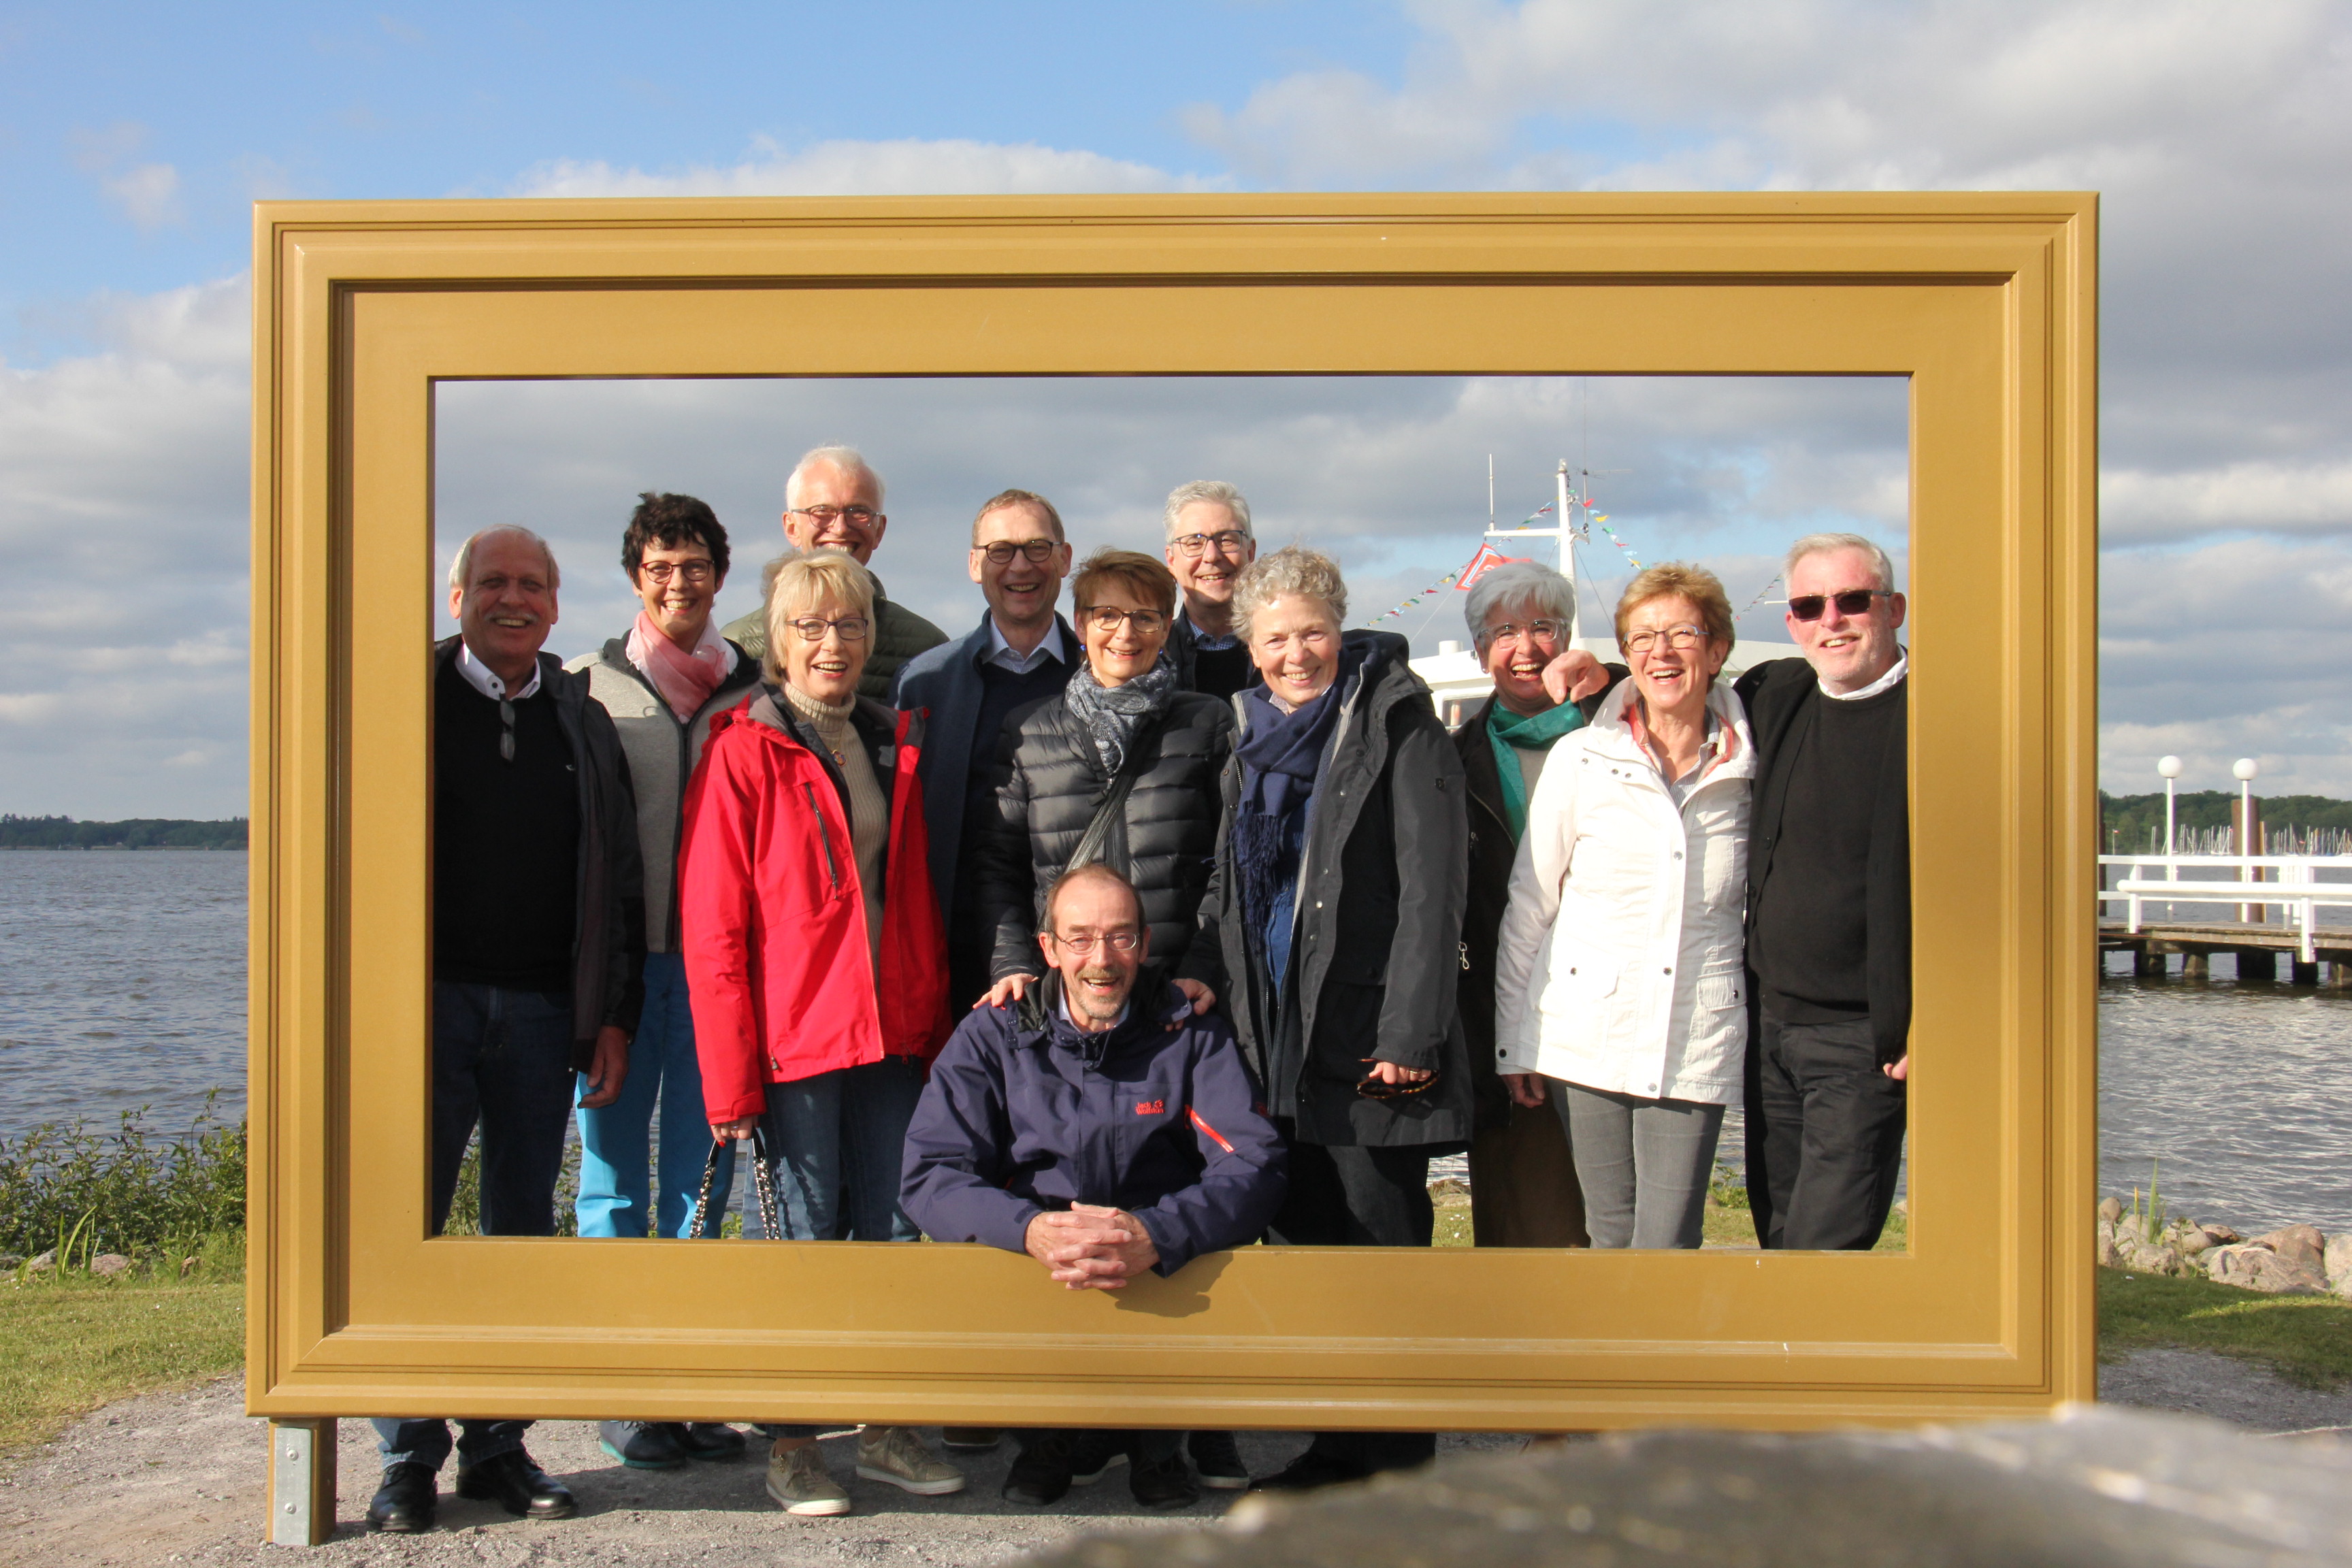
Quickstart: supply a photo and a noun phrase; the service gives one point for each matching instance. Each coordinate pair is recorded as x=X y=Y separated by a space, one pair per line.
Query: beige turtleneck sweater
x=870 y=810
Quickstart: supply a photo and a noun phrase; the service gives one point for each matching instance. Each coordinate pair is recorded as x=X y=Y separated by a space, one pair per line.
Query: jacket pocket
x=824 y=837
x=1714 y=992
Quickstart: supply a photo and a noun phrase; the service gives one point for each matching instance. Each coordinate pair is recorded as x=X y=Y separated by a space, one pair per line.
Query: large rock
x=2301 y=1245
x=2250 y=1265
x=107 y=1264
x=2098 y=1488
x=2338 y=1264
x=2111 y=1210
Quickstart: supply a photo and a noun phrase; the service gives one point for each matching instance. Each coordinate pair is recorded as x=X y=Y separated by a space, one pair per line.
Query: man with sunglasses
x=1102 y=1127
x=1023 y=651
x=1209 y=542
x=1829 y=905
x=833 y=501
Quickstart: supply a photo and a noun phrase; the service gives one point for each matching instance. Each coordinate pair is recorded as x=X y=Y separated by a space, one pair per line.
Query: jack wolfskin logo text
x=1152 y=1107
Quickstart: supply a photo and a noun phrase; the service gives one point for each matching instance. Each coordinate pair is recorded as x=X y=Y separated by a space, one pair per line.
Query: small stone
x=109 y=1265
x=2111 y=1210
x=2192 y=1239
x=2301 y=1245
x=2221 y=1235
x=2249 y=1265
x=44 y=1263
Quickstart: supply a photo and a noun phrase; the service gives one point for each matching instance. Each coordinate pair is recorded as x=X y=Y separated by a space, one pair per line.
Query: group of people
x=1173 y=925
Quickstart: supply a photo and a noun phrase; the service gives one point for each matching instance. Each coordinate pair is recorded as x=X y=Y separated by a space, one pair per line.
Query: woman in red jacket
x=814 y=954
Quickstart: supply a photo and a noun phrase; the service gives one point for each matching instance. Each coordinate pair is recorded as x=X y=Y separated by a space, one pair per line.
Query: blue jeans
x=1643 y=1164
x=502 y=1058
x=425 y=1441
x=838 y=1140
x=616 y=1152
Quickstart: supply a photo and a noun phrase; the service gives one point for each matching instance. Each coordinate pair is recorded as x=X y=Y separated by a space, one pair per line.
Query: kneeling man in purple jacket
x=1103 y=1128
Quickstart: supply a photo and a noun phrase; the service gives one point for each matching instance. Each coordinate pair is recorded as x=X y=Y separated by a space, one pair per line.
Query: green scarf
x=1510 y=733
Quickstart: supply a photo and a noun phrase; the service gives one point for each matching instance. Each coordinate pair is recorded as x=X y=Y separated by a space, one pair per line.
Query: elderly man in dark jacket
x=1102 y=1127
x=1829 y=905
x=538 y=943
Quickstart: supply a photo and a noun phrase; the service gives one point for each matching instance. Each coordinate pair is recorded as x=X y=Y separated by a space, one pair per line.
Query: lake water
x=123 y=985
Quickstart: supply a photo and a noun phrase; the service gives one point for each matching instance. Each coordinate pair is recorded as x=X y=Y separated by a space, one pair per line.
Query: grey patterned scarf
x=1112 y=713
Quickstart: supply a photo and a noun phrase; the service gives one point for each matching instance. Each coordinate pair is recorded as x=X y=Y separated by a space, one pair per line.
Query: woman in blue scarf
x=1332 y=934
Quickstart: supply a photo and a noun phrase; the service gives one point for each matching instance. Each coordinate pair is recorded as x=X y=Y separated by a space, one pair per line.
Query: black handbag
x=764 y=1180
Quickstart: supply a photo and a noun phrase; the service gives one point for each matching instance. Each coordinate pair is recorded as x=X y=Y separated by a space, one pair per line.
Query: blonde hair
x=1292 y=570
x=1670 y=579
x=800 y=582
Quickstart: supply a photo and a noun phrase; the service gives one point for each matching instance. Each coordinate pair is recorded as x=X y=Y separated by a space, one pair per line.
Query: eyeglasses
x=1373 y=1087
x=1228 y=541
x=1541 y=631
x=1107 y=619
x=1853 y=602
x=812 y=629
x=823 y=516
x=662 y=571
x=1679 y=638
x=1003 y=551
x=1084 y=946
x=506 y=737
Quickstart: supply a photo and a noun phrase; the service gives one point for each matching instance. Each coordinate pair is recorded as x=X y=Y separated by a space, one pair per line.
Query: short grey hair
x=1518 y=585
x=1292 y=570
x=1824 y=543
x=461 y=565
x=1216 y=490
x=846 y=458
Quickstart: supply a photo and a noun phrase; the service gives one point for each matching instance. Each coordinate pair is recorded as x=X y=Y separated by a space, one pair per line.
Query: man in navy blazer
x=1022 y=652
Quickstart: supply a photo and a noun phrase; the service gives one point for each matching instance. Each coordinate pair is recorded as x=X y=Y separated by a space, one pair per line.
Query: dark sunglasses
x=1853 y=602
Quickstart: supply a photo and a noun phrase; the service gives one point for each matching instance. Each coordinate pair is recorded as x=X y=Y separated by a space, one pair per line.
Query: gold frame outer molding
x=1985 y=302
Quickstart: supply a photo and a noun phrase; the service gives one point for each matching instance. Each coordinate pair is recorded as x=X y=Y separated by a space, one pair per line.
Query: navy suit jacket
x=946 y=681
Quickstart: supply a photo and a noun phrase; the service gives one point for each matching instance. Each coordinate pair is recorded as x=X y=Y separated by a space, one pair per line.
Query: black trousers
x=1349 y=1196
x=1824 y=1136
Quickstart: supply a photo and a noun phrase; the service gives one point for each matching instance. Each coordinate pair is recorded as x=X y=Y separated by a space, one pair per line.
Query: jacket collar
x=1611 y=732
x=1041 y=1021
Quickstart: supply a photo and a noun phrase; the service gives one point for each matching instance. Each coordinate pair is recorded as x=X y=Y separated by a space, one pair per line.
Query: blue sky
x=131 y=138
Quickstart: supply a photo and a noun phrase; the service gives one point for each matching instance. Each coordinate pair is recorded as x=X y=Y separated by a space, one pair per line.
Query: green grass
x=2306 y=1340
x=1723 y=1226
x=71 y=1343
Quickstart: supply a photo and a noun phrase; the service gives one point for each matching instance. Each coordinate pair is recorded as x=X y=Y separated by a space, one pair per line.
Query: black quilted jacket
x=1048 y=780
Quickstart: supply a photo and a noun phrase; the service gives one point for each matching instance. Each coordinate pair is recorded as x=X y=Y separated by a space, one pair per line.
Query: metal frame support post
x=301 y=1483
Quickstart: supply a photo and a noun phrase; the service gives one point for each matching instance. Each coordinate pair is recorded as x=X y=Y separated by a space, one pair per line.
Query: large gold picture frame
x=1984 y=302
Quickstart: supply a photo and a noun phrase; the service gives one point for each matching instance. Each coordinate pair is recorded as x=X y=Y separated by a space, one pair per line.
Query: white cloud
x=147 y=195
x=2308 y=498
x=906 y=167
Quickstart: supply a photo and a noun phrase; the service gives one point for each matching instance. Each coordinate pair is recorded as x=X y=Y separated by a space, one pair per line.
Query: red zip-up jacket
x=773 y=919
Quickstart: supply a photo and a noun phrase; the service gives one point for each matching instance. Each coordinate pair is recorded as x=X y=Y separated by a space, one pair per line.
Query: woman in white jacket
x=1619 y=974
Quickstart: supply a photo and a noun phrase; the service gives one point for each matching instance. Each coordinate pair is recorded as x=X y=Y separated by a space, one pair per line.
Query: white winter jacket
x=1619 y=961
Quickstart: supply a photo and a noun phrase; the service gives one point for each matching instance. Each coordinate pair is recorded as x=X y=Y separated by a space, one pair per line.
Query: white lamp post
x=2245 y=768
x=2170 y=768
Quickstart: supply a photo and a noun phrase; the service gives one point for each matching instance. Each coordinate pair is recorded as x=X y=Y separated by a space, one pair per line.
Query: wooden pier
x=2262 y=950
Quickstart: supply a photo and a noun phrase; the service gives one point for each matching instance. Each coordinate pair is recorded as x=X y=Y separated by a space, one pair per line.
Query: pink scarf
x=686 y=681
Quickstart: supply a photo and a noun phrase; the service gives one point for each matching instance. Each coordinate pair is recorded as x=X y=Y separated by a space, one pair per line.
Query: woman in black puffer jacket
x=1058 y=759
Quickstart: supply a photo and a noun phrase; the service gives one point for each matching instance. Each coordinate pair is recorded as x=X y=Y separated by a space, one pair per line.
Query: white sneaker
x=799 y=1482
x=893 y=1454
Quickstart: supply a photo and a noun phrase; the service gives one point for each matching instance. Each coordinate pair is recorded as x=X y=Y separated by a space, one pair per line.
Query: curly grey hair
x=1217 y=491
x=1823 y=544
x=461 y=565
x=1521 y=585
x=1294 y=569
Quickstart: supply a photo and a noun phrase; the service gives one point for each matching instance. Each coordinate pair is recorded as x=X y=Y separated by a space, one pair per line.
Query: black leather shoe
x=642 y=1445
x=1040 y=1475
x=1217 y=1461
x=1306 y=1473
x=1162 y=1483
x=518 y=1486
x=403 y=1505
x=713 y=1440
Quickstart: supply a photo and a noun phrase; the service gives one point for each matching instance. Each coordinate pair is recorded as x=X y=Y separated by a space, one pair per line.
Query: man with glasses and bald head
x=833 y=501
x=1829 y=905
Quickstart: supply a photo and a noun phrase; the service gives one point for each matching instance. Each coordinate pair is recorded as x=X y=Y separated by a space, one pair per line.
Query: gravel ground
x=177 y=1477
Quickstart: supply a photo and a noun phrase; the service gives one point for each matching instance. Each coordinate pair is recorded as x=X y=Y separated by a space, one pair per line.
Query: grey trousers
x=1643 y=1164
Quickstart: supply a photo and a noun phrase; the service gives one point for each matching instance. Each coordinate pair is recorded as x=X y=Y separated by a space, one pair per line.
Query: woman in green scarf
x=1522 y=1190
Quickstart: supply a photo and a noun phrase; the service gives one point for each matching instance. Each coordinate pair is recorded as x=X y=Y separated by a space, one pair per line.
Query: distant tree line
x=2135 y=823
x=138 y=833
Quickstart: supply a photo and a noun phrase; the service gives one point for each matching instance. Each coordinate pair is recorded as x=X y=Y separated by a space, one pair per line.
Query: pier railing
x=2294 y=887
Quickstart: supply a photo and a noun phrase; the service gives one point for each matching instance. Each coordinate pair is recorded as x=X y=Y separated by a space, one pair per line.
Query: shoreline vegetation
x=122 y=1268
x=135 y=833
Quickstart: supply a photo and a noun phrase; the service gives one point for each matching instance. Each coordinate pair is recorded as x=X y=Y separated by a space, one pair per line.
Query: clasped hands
x=1089 y=1248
